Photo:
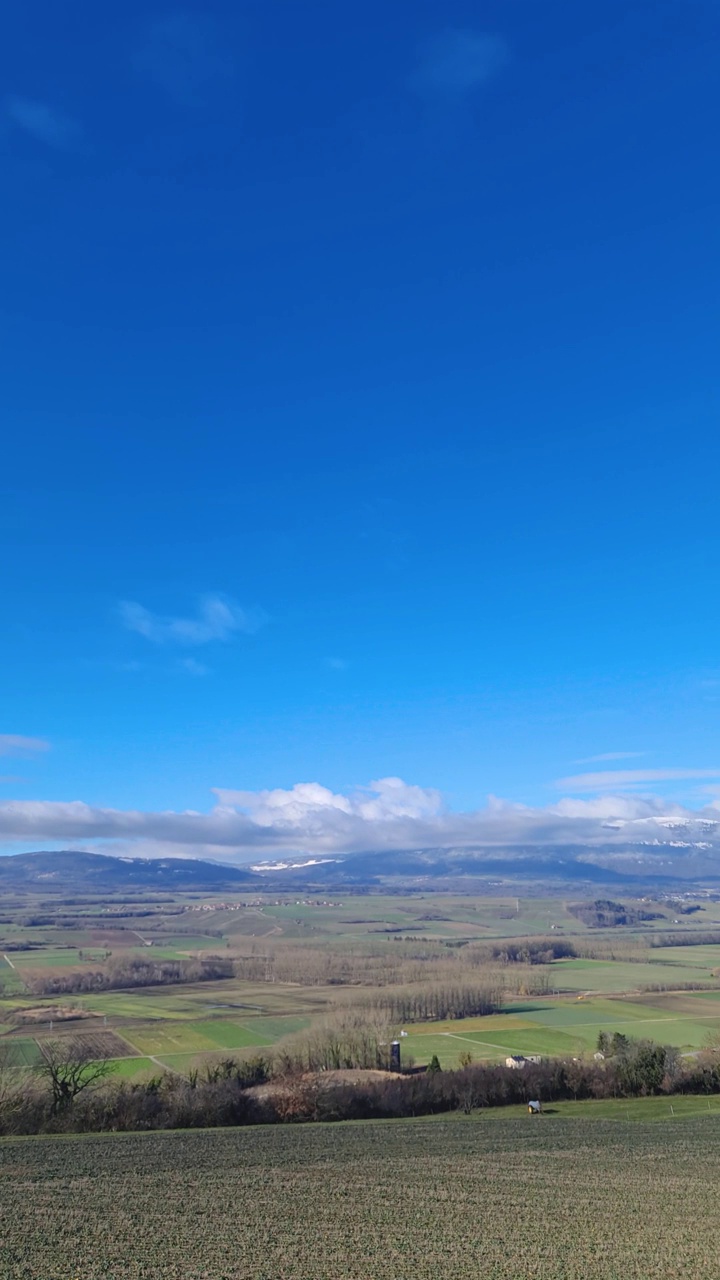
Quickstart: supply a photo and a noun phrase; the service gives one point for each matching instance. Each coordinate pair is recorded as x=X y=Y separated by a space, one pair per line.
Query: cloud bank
x=389 y=814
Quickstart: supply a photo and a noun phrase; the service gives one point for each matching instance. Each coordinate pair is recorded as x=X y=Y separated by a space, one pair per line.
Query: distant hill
x=562 y=867
x=70 y=871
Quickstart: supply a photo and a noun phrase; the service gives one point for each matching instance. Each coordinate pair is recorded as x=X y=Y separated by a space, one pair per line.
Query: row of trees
x=603 y=913
x=532 y=951
x=415 y=961
x=69 y=1093
x=435 y=1002
x=121 y=972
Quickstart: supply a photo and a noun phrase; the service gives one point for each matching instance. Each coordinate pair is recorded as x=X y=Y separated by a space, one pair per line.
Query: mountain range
x=687 y=852
x=72 y=871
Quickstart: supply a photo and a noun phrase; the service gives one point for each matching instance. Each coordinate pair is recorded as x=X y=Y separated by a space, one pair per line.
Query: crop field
x=671 y=968
x=19 y=1053
x=549 y=1198
x=184 y=943
x=187 y=1037
x=10 y=980
x=236 y=998
x=568 y=1028
x=129 y=1068
x=52 y=958
x=661 y=1110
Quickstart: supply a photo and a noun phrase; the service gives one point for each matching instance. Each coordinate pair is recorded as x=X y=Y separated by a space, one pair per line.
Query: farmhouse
x=517 y=1061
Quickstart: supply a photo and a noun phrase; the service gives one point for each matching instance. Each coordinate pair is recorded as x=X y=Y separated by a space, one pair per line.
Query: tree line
x=69 y=1094
x=121 y=972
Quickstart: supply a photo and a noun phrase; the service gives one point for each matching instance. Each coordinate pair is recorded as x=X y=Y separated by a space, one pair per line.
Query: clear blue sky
x=377 y=347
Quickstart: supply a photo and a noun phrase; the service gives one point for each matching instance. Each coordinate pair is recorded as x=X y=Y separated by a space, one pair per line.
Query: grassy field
x=648 y=1110
x=194 y=1037
x=129 y=1068
x=568 y=1028
x=549 y=1198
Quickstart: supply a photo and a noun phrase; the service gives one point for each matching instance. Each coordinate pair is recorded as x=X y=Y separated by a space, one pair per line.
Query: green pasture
x=19 y=1053
x=128 y=1068
x=55 y=957
x=10 y=979
x=231 y=1035
x=704 y=956
x=196 y=1037
x=678 y=1107
x=563 y=1028
x=183 y=1063
x=276 y=1028
x=226 y=998
x=610 y=976
x=169 y=1037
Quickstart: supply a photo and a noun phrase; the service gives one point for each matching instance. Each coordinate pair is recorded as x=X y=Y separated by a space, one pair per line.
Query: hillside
x=71 y=871
x=505 y=1199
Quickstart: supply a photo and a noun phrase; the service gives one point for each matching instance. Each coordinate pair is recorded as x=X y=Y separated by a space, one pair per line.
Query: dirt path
x=164 y=1066
x=258 y=911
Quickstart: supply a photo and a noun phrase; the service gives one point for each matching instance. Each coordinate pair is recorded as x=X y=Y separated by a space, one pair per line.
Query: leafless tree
x=69 y=1068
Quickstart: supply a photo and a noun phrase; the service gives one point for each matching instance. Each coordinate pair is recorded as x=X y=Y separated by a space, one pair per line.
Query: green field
x=610 y=976
x=127 y=1068
x=662 y=1109
x=52 y=957
x=542 y=1198
x=401 y=940
x=19 y=1053
x=568 y=1028
x=186 y=1037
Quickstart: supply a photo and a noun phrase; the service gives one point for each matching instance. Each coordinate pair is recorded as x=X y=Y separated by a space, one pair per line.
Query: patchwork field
x=569 y=1028
x=297 y=962
x=195 y=1037
x=548 y=1198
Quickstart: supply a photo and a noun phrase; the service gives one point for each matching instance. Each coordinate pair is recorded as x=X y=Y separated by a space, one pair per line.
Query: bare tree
x=69 y=1067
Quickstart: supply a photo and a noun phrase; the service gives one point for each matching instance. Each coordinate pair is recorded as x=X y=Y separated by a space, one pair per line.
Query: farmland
x=298 y=962
x=561 y=1027
x=507 y=1199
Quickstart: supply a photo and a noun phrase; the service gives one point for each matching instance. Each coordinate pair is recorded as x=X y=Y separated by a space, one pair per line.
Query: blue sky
x=361 y=399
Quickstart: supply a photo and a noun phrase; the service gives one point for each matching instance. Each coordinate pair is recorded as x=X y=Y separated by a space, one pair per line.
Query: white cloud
x=389 y=814
x=217 y=618
x=312 y=804
x=14 y=744
x=630 y=777
x=457 y=62
x=44 y=123
x=607 y=756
